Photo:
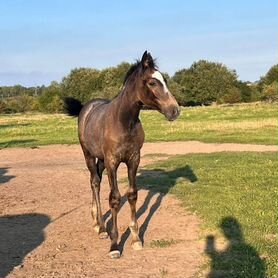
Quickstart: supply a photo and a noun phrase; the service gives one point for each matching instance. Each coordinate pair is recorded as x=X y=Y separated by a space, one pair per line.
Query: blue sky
x=42 y=40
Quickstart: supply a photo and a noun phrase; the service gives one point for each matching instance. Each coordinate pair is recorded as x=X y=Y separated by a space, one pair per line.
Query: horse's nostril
x=176 y=111
x=172 y=113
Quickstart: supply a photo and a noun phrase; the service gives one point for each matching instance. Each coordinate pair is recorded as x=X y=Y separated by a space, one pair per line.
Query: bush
x=233 y=95
x=2 y=106
x=50 y=102
x=19 y=104
x=205 y=82
x=270 y=92
x=270 y=77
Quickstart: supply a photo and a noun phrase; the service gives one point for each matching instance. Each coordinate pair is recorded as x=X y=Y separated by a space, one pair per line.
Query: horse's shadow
x=158 y=182
x=4 y=177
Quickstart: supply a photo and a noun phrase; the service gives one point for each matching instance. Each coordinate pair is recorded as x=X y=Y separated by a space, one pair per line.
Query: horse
x=110 y=133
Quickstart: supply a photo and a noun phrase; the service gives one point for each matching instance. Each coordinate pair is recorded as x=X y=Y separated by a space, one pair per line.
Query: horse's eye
x=152 y=84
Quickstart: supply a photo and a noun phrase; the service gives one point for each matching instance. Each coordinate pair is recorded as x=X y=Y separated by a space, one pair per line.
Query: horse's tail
x=72 y=106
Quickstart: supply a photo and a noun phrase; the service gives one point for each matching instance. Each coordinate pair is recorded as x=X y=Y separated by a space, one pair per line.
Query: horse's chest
x=130 y=144
x=124 y=152
x=125 y=147
x=122 y=143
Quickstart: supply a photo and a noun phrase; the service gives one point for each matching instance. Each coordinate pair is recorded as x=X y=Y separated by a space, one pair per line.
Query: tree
x=205 y=82
x=114 y=76
x=249 y=91
x=112 y=80
x=82 y=83
x=20 y=104
x=2 y=106
x=270 y=92
x=233 y=95
x=86 y=83
x=50 y=100
x=270 y=77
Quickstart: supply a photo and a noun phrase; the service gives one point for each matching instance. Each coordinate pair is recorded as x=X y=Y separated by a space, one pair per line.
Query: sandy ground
x=46 y=228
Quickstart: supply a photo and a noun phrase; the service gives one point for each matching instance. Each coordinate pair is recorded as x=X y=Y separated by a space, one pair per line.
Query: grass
x=236 y=196
x=28 y=130
x=163 y=272
x=252 y=123
x=163 y=243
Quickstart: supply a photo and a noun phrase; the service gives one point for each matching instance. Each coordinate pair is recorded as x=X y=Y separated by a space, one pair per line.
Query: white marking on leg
x=157 y=75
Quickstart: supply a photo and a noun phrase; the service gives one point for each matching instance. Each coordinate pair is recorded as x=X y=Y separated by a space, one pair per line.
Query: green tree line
x=203 y=83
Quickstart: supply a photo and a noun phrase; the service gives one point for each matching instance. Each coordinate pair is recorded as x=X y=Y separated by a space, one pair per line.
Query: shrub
x=270 y=92
x=233 y=95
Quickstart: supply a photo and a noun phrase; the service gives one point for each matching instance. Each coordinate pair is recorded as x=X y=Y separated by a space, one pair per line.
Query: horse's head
x=154 y=92
x=151 y=88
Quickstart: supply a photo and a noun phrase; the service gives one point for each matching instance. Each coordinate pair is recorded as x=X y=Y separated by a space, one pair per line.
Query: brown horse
x=110 y=132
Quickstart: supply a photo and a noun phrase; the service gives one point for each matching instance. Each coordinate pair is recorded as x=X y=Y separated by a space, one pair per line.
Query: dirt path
x=45 y=223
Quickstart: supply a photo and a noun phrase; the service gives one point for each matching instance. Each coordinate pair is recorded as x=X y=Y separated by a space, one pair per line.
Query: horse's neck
x=128 y=107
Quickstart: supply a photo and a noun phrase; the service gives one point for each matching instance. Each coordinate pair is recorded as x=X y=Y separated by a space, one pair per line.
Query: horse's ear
x=147 y=60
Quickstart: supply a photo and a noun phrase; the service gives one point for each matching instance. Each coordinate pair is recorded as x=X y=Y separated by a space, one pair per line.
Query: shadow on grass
x=19 y=235
x=158 y=182
x=3 y=175
x=16 y=143
x=13 y=125
x=239 y=259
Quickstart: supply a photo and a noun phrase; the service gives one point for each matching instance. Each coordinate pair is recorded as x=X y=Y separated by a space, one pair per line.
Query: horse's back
x=90 y=106
x=90 y=109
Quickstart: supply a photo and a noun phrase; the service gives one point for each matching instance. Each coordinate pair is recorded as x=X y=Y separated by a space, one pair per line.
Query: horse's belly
x=93 y=143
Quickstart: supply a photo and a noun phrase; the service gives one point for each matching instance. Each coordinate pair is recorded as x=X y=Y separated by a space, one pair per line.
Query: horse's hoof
x=103 y=235
x=137 y=245
x=115 y=254
x=96 y=228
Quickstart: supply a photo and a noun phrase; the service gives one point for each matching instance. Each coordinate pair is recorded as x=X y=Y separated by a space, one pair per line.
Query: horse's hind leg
x=132 y=166
x=114 y=202
x=102 y=230
x=96 y=174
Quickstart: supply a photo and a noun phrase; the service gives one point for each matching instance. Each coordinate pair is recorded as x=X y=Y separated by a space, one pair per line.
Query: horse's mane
x=131 y=70
x=136 y=66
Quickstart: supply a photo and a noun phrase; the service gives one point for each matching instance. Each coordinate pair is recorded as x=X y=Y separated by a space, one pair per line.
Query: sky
x=42 y=41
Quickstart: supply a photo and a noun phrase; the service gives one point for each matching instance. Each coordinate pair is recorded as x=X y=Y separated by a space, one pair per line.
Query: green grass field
x=236 y=196
x=253 y=123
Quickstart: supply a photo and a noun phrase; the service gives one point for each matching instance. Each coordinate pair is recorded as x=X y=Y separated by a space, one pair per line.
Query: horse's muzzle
x=172 y=113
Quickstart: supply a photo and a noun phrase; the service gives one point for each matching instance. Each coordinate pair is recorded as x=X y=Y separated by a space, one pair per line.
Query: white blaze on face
x=157 y=75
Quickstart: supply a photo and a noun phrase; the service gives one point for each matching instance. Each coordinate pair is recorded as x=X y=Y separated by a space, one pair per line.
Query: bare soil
x=46 y=228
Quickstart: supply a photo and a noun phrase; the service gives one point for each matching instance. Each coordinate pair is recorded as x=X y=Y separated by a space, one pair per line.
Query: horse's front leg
x=132 y=199
x=114 y=202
